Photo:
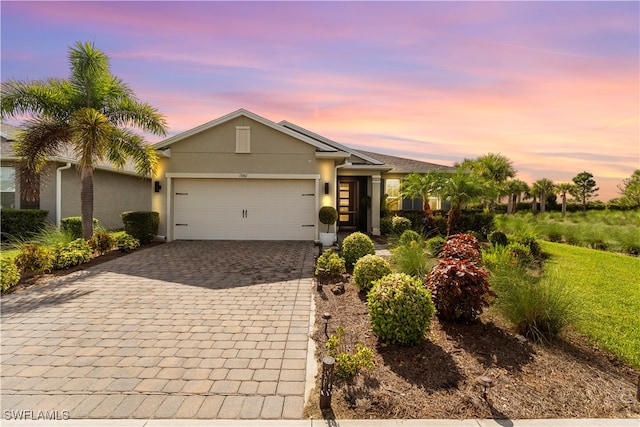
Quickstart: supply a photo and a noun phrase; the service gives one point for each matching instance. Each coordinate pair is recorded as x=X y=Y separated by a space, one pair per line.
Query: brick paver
x=181 y=330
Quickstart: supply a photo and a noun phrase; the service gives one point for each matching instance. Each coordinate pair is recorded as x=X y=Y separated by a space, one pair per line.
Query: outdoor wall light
x=157 y=186
x=326 y=188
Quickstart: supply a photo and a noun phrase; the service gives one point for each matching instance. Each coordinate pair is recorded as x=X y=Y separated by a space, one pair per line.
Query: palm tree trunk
x=543 y=202
x=534 y=204
x=431 y=221
x=452 y=221
x=86 y=201
x=564 y=204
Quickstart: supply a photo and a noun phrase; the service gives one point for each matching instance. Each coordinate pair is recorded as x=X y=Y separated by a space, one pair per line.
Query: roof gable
x=320 y=146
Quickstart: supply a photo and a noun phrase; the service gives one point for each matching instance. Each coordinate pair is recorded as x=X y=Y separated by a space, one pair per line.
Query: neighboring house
x=115 y=190
x=244 y=177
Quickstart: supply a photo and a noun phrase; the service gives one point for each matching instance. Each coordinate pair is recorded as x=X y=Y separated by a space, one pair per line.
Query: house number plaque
x=243 y=175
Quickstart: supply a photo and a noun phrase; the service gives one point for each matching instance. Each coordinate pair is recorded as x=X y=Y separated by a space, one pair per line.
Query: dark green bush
x=460 y=288
x=355 y=246
x=9 y=274
x=71 y=254
x=33 y=259
x=142 y=225
x=101 y=242
x=400 y=309
x=21 y=224
x=368 y=269
x=531 y=242
x=498 y=238
x=126 y=243
x=330 y=266
x=328 y=215
x=385 y=225
x=434 y=245
x=73 y=225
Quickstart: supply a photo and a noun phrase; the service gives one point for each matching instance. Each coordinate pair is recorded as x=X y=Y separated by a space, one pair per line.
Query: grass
x=616 y=231
x=608 y=296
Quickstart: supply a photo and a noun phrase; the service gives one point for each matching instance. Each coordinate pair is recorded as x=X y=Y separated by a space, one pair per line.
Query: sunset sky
x=554 y=86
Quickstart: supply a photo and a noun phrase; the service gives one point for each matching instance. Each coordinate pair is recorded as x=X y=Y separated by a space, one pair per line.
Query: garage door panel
x=244 y=209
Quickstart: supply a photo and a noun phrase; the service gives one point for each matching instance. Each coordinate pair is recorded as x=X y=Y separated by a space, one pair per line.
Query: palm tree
x=91 y=113
x=423 y=186
x=514 y=188
x=563 y=188
x=459 y=189
x=542 y=188
x=495 y=169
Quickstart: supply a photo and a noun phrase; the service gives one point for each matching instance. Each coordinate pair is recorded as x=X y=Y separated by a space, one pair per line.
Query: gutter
x=59 y=192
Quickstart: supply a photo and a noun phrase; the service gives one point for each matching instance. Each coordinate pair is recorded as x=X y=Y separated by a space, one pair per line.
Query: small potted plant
x=328 y=215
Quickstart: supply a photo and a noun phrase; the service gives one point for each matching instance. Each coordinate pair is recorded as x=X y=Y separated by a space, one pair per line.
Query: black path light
x=326 y=317
x=485 y=383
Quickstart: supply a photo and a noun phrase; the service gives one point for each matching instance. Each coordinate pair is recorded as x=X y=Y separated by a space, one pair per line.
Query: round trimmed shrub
x=328 y=215
x=400 y=224
x=368 y=269
x=73 y=226
x=9 y=274
x=409 y=236
x=400 y=309
x=355 y=246
x=460 y=288
x=498 y=238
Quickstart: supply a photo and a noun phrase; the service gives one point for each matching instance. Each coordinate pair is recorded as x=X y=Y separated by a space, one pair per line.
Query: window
x=392 y=190
x=243 y=139
x=8 y=187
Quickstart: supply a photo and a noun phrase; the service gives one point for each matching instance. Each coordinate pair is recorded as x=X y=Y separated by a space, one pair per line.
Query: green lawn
x=607 y=287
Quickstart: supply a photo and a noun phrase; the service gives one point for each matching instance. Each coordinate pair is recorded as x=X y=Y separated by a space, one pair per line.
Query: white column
x=375 y=204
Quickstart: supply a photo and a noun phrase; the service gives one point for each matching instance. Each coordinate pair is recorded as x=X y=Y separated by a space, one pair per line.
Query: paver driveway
x=205 y=329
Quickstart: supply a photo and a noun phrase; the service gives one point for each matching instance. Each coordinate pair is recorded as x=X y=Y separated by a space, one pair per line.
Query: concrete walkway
x=184 y=330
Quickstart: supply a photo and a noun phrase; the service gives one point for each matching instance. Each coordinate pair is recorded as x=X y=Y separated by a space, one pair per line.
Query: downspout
x=59 y=192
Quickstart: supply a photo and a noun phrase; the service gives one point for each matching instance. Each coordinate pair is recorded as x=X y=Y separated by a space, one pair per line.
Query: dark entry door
x=348 y=206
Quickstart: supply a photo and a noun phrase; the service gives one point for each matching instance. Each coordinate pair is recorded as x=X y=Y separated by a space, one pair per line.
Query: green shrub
x=520 y=254
x=385 y=225
x=73 y=225
x=409 y=236
x=22 y=223
x=355 y=246
x=400 y=224
x=33 y=259
x=497 y=258
x=347 y=364
x=368 y=269
x=410 y=259
x=400 y=309
x=142 y=225
x=328 y=215
x=71 y=254
x=498 y=238
x=461 y=246
x=330 y=266
x=459 y=288
x=538 y=309
x=9 y=273
x=101 y=242
x=126 y=243
x=529 y=240
x=434 y=245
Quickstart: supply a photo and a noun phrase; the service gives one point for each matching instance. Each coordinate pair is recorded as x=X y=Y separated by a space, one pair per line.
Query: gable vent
x=243 y=139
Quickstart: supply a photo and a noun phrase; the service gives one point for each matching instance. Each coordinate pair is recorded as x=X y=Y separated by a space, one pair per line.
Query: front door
x=352 y=211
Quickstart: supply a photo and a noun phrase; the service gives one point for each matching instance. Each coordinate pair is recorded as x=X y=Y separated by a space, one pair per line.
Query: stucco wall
x=113 y=193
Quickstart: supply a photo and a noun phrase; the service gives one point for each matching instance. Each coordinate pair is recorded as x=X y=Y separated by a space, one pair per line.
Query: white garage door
x=244 y=209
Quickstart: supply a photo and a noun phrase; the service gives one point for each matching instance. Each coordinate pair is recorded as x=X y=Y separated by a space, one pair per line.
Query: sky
x=553 y=86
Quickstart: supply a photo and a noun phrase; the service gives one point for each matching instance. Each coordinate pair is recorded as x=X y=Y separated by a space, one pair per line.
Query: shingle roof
x=403 y=165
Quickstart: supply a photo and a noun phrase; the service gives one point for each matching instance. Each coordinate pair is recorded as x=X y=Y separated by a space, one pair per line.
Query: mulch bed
x=44 y=278
x=569 y=378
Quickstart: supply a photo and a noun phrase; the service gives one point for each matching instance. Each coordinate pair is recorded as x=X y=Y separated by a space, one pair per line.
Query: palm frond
x=128 y=111
x=127 y=145
x=42 y=98
x=91 y=135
